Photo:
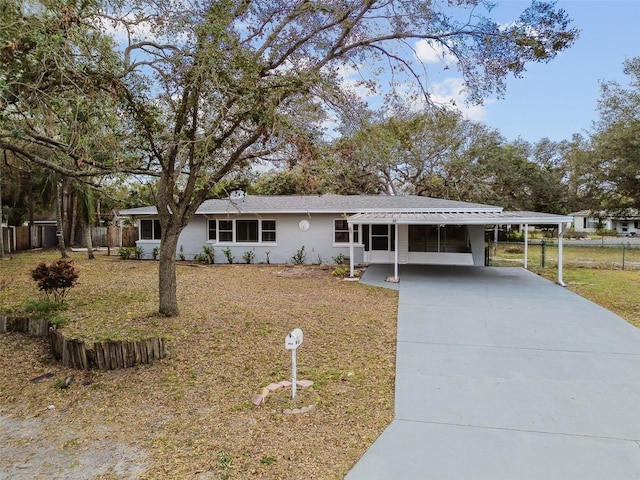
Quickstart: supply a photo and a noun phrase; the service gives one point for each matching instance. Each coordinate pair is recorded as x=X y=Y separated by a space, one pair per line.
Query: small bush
x=55 y=279
x=155 y=252
x=249 y=256
x=299 y=257
x=210 y=254
x=340 y=272
x=139 y=251
x=513 y=236
x=181 y=253
x=125 y=253
x=229 y=255
x=338 y=259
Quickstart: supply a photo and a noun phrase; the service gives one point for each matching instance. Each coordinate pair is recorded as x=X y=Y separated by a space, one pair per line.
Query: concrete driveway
x=502 y=374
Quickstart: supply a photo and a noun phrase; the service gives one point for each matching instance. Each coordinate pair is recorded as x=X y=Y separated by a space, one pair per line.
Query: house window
x=341 y=232
x=241 y=231
x=225 y=230
x=150 y=230
x=268 y=230
x=434 y=238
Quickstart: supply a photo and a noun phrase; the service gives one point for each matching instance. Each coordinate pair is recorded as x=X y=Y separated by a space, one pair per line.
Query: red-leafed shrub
x=55 y=279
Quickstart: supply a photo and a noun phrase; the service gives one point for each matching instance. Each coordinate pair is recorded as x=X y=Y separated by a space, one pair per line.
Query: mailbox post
x=291 y=342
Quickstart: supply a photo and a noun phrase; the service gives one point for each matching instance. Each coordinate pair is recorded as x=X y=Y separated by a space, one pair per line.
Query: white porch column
x=526 y=245
x=495 y=239
x=395 y=256
x=560 y=234
x=351 y=267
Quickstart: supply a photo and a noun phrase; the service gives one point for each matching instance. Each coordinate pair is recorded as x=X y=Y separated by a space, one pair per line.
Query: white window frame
x=234 y=230
x=154 y=222
x=356 y=232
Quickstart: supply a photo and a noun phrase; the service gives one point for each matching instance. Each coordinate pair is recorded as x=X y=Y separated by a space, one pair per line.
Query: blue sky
x=558 y=99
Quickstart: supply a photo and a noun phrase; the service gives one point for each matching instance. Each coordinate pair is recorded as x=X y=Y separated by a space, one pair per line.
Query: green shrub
x=338 y=259
x=181 y=253
x=299 y=257
x=513 y=236
x=55 y=279
x=249 y=256
x=125 y=253
x=155 y=252
x=209 y=253
x=229 y=255
x=340 y=272
x=139 y=251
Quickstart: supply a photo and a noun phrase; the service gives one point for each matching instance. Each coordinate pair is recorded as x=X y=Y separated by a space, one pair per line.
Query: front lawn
x=191 y=415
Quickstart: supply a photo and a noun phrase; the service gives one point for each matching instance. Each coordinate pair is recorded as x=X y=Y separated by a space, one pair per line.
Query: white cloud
x=451 y=93
x=428 y=52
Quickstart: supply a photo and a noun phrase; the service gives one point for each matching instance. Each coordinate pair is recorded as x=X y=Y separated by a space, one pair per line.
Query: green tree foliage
x=616 y=141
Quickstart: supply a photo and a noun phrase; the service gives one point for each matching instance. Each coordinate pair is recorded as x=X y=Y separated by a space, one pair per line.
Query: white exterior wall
x=476 y=257
x=317 y=240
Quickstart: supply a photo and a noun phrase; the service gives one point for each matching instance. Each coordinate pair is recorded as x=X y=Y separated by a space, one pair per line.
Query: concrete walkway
x=502 y=374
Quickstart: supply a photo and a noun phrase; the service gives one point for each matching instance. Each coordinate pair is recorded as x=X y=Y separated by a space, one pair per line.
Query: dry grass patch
x=190 y=415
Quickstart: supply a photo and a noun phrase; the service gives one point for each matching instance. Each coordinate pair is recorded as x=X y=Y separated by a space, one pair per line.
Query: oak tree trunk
x=167 y=282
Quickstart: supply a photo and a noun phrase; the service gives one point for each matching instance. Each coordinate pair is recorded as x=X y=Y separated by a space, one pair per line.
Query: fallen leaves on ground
x=190 y=415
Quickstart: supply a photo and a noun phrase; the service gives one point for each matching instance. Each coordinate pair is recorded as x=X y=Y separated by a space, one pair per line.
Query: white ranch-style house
x=625 y=223
x=366 y=229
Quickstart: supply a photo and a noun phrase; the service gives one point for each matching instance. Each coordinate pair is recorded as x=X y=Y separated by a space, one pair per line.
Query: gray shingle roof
x=328 y=204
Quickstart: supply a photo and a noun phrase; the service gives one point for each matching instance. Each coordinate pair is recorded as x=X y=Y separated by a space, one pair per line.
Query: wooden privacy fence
x=74 y=353
x=17 y=238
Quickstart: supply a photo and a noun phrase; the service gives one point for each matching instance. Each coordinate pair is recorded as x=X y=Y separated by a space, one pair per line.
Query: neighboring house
x=382 y=228
x=625 y=223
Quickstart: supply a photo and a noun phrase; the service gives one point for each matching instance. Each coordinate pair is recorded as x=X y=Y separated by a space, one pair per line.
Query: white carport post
x=351 y=268
x=560 y=234
x=526 y=245
x=395 y=256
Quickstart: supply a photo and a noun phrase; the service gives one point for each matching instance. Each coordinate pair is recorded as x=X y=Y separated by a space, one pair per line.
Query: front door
x=379 y=243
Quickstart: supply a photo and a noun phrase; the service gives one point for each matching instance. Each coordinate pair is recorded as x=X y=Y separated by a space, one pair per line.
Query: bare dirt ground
x=190 y=415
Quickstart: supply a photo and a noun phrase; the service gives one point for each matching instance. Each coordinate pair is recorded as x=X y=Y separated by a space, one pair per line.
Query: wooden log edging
x=75 y=353
x=32 y=326
x=108 y=355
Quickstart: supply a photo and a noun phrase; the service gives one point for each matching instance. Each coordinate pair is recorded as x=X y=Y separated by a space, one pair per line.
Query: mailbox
x=293 y=340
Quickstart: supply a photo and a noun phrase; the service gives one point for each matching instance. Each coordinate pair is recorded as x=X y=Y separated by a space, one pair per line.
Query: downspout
x=560 y=234
x=526 y=245
x=351 y=267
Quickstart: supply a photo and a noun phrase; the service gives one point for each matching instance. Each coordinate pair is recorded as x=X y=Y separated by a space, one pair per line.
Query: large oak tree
x=205 y=88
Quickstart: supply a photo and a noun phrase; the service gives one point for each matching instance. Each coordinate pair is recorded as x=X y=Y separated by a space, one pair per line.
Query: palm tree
x=86 y=209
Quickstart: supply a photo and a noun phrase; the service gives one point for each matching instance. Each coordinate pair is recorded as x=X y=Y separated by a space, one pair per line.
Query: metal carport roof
x=460 y=217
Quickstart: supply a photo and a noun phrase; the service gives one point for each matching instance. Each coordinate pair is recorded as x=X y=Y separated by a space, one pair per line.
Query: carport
x=475 y=222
